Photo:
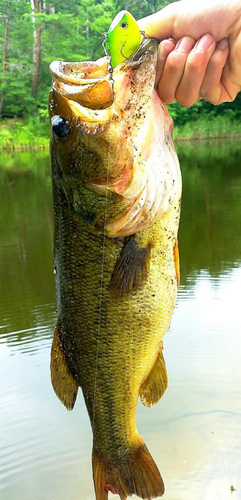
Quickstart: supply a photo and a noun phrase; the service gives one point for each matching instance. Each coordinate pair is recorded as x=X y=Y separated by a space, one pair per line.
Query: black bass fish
x=117 y=189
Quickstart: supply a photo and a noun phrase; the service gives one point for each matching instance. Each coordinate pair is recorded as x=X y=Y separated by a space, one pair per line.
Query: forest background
x=35 y=32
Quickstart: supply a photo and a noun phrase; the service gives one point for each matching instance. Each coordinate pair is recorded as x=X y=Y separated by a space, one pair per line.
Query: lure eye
x=60 y=126
x=124 y=25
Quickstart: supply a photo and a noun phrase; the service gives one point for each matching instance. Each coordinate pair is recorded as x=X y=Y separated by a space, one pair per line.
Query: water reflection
x=26 y=285
x=210 y=230
x=194 y=433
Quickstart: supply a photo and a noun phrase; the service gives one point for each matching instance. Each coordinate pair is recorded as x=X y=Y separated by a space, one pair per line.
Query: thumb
x=219 y=18
x=160 y=24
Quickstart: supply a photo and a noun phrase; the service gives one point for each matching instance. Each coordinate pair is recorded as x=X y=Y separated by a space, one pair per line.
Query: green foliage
x=210 y=125
x=33 y=131
x=182 y=116
x=71 y=30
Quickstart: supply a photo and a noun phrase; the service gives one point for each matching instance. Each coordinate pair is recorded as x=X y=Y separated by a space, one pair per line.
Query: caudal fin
x=135 y=472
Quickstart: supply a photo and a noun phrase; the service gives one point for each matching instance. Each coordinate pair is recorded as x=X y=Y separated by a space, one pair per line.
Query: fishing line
x=101 y=288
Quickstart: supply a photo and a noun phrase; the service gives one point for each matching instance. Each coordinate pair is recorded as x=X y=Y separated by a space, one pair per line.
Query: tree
x=35 y=32
x=5 y=52
x=37 y=29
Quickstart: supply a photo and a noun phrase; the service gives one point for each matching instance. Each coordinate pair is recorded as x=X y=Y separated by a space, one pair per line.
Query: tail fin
x=133 y=473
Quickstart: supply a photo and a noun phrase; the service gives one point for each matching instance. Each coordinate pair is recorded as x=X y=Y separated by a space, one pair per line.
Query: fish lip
x=87 y=83
x=145 y=47
x=79 y=73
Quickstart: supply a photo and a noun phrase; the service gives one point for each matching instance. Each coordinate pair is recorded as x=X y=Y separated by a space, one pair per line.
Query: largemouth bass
x=117 y=189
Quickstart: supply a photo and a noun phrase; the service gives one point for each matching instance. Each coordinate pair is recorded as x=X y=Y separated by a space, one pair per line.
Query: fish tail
x=135 y=472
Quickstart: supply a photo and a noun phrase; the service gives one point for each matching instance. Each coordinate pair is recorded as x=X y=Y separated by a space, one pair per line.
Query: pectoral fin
x=64 y=384
x=131 y=269
x=155 y=385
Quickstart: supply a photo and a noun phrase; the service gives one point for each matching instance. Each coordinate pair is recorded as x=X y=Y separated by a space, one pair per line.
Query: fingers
x=174 y=67
x=184 y=70
x=212 y=88
x=188 y=91
x=164 y=49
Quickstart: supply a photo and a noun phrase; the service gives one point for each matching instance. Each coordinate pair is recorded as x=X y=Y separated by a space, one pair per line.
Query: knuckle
x=197 y=61
x=175 y=62
x=167 y=94
x=170 y=100
x=187 y=103
x=194 y=63
x=216 y=61
x=166 y=97
x=212 y=100
x=186 y=99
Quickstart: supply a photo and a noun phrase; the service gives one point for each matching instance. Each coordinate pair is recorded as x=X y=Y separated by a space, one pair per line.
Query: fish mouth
x=87 y=83
x=147 y=45
x=91 y=84
x=119 y=116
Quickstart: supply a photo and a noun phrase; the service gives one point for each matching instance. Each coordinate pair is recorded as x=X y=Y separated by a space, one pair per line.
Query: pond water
x=194 y=432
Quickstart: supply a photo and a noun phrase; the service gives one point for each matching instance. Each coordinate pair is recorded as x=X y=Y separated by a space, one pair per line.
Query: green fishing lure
x=123 y=38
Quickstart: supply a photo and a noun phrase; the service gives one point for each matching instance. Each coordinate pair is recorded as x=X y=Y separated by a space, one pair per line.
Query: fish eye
x=60 y=126
x=124 y=25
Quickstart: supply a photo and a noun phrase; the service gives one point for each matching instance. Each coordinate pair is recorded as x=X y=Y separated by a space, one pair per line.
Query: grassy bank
x=33 y=133
x=209 y=126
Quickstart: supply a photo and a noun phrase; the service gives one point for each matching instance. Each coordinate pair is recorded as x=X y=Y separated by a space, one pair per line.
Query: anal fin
x=155 y=385
x=132 y=268
x=64 y=384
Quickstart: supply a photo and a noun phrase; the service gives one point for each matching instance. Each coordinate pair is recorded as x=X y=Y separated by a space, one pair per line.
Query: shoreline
x=206 y=137
x=23 y=147
x=195 y=138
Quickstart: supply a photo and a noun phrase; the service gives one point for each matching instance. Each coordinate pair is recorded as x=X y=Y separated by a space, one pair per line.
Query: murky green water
x=194 y=433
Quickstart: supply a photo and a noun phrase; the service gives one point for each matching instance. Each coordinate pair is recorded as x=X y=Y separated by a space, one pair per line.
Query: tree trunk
x=37 y=32
x=34 y=29
x=5 y=53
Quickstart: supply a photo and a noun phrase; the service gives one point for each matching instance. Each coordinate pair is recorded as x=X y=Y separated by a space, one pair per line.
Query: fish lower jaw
x=90 y=118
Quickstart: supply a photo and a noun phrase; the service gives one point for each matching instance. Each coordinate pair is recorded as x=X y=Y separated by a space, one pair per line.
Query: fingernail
x=165 y=48
x=185 y=44
x=223 y=44
x=204 y=43
x=171 y=39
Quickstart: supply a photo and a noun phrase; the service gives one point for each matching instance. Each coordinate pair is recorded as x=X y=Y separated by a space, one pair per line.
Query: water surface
x=194 y=432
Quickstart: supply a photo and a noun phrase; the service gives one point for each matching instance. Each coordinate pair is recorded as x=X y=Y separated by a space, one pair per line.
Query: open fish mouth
x=91 y=83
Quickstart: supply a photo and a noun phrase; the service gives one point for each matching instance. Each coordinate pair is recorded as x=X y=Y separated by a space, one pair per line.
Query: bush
x=33 y=132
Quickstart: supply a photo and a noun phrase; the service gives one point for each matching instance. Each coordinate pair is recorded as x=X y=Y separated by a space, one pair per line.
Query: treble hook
x=105 y=45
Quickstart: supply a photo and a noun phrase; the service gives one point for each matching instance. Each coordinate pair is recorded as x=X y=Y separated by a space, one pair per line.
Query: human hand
x=200 y=52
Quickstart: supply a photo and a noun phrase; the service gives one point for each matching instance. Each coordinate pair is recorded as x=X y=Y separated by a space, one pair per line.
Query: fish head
x=112 y=134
